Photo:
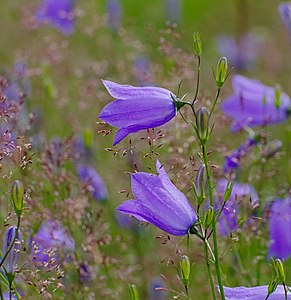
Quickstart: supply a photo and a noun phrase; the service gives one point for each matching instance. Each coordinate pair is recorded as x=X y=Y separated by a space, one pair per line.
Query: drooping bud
x=133 y=291
x=202 y=124
x=13 y=256
x=279 y=268
x=208 y=217
x=272 y=286
x=201 y=184
x=17 y=196
x=221 y=71
x=197 y=44
x=185 y=268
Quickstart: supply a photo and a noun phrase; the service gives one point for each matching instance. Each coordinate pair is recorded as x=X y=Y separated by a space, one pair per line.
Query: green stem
x=211 y=281
x=198 y=80
x=215 y=101
x=285 y=291
x=215 y=245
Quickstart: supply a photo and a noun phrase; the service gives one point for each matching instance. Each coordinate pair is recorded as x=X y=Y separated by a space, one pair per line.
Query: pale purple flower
x=233 y=160
x=159 y=202
x=285 y=12
x=154 y=292
x=254 y=293
x=93 y=181
x=142 y=70
x=57 y=13
x=7 y=142
x=173 y=10
x=127 y=221
x=280 y=228
x=137 y=108
x=242 y=195
x=242 y=54
x=114 y=12
x=253 y=104
x=52 y=236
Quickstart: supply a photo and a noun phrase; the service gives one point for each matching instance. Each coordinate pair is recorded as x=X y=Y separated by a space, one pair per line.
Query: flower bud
x=88 y=138
x=13 y=256
x=221 y=71
x=201 y=184
x=202 y=124
x=133 y=292
x=272 y=286
x=278 y=93
x=279 y=268
x=208 y=217
x=197 y=45
x=185 y=268
x=17 y=196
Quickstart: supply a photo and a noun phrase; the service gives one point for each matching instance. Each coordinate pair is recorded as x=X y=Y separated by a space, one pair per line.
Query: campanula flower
x=89 y=176
x=57 y=13
x=279 y=229
x=114 y=12
x=242 y=195
x=285 y=12
x=137 y=108
x=154 y=290
x=254 y=293
x=51 y=235
x=254 y=104
x=142 y=70
x=173 y=10
x=159 y=202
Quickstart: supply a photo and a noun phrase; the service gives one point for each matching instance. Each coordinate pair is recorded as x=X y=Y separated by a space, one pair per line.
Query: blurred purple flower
x=156 y=294
x=58 y=13
x=142 y=70
x=85 y=273
x=254 y=293
x=242 y=195
x=233 y=161
x=7 y=142
x=114 y=12
x=52 y=235
x=280 y=228
x=285 y=12
x=127 y=221
x=173 y=10
x=253 y=104
x=137 y=108
x=159 y=202
x=89 y=176
x=242 y=55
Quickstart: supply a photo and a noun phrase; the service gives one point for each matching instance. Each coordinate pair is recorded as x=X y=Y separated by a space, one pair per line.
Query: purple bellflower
x=280 y=228
x=57 y=13
x=114 y=12
x=137 y=108
x=285 y=12
x=173 y=10
x=254 y=293
x=159 y=202
x=89 y=176
x=142 y=70
x=51 y=235
x=254 y=104
x=154 y=292
x=242 y=195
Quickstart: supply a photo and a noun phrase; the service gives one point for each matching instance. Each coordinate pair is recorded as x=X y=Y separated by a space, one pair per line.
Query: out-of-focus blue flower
x=173 y=10
x=233 y=160
x=254 y=293
x=242 y=195
x=280 y=228
x=57 y=13
x=142 y=71
x=155 y=294
x=159 y=202
x=254 y=104
x=285 y=12
x=114 y=12
x=127 y=221
x=242 y=54
x=85 y=273
x=137 y=108
x=89 y=176
x=13 y=257
x=52 y=236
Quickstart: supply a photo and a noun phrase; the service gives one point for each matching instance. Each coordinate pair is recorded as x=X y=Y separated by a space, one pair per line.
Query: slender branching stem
x=198 y=80
x=215 y=101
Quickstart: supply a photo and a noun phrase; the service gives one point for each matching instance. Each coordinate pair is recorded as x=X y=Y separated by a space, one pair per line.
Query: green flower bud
x=17 y=196
x=134 y=295
x=228 y=191
x=221 y=71
x=201 y=184
x=279 y=268
x=278 y=93
x=197 y=44
x=88 y=138
x=202 y=124
x=185 y=268
x=208 y=217
x=272 y=286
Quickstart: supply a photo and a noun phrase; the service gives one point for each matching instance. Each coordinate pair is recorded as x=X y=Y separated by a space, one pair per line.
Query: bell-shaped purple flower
x=280 y=228
x=89 y=176
x=254 y=104
x=114 y=12
x=242 y=195
x=173 y=10
x=159 y=202
x=58 y=13
x=254 y=293
x=285 y=12
x=137 y=108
